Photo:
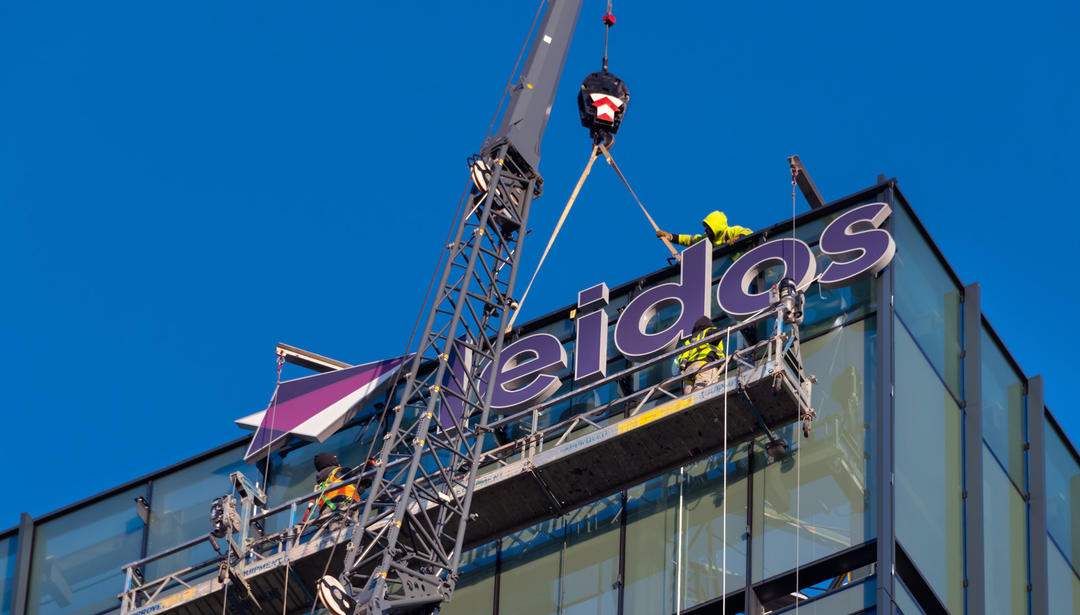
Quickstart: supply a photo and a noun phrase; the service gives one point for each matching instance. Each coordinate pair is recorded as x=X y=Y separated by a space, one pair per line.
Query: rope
x=554 y=234
x=727 y=362
x=273 y=415
x=611 y=161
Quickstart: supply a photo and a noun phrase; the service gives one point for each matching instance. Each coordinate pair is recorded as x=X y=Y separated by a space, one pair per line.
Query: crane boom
x=404 y=553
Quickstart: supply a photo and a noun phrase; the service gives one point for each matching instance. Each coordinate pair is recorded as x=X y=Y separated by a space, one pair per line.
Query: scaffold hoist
x=424 y=501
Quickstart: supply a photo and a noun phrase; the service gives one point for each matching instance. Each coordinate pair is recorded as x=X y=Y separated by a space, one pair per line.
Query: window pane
x=1003 y=409
x=652 y=532
x=927 y=456
x=529 y=584
x=180 y=509
x=828 y=308
x=1062 y=582
x=1062 y=496
x=474 y=593
x=77 y=557
x=590 y=567
x=834 y=500
x=927 y=301
x=8 y=549
x=1005 y=540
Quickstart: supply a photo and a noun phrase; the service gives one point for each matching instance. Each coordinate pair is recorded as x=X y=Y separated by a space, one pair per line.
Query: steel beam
x=806 y=185
x=974 y=570
x=1040 y=593
x=884 y=468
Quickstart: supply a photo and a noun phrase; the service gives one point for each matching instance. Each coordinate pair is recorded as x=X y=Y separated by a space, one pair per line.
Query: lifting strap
x=554 y=234
x=611 y=161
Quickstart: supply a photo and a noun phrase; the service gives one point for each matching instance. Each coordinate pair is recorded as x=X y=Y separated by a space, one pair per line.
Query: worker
x=691 y=361
x=716 y=229
x=327 y=472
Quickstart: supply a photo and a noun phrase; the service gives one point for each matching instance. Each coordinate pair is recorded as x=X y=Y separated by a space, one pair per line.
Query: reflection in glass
x=8 y=549
x=180 y=509
x=529 y=584
x=1063 y=584
x=652 y=535
x=928 y=447
x=834 y=472
x=905 y=602
x=1062 y=495
x=852 y=599
x=1004 y=427
x=1005 y=540
x=590 y=565
x=75 y=567
x=928 y=301
x=475 y=590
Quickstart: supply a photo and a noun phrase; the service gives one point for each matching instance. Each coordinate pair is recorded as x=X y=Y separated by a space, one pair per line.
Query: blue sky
x=183 y=185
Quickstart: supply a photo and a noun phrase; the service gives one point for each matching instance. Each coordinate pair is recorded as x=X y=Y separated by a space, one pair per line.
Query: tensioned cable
x=727 y=361
x=555 y=233
x=611 y=161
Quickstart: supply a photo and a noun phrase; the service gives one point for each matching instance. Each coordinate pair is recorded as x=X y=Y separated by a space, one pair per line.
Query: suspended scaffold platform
x=542 y=474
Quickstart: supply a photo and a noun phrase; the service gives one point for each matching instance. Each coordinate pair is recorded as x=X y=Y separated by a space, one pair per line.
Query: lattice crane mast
x=404 y=553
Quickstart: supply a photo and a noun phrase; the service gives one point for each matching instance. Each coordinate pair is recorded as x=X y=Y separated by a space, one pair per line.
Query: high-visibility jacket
x=721 y=232
x=338 y=495
x=704 y=352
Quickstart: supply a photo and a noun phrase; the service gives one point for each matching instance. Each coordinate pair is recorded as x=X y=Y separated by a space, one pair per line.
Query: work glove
x=665 y=235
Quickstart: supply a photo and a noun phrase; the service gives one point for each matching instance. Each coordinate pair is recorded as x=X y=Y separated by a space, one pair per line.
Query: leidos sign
x=854 y=243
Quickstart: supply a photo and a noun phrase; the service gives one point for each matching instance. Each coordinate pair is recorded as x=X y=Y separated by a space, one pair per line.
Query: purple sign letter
x=691 y=294
x=524 y=376
x=590 y=350
x=733 y=293
x=855 y=238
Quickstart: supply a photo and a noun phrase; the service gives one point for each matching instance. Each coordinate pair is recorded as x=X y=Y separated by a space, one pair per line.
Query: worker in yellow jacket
x=716 y=229
x=692 y=360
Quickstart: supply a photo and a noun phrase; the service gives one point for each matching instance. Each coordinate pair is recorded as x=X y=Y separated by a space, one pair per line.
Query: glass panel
x=1003 y=409
x=927 y=301
x=294 y=475
x=704 y=538
x=928 y=449
x=474 y=593
x=651 y=521
x=8 y=549
x=828 y=308
x=1005 y=540
x=835 y=470
x=529 y=583
x=1062 y=495
x=590 y=567
x=180 y=509
x=75 y=569
x=652 y=531
x=905 y=602
x=851 y=599
x=1062 y=582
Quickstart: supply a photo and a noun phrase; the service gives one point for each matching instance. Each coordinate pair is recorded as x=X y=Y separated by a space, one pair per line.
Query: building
x=935 y=480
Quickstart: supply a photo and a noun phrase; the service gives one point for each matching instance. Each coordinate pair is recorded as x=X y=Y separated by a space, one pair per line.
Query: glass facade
x=680 y=540
x=9 y=546
x=75 y=569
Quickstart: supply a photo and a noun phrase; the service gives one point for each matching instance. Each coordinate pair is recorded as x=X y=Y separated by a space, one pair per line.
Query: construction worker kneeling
x=692 y=360
x=328 y=472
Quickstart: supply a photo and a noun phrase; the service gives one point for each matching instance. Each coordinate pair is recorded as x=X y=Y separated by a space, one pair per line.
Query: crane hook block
x=601 y=102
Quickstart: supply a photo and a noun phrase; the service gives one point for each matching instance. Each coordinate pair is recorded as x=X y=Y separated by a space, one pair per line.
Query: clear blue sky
x=185 y=184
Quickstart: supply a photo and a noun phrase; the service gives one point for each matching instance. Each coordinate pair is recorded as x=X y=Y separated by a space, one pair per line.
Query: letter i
x=590 y=349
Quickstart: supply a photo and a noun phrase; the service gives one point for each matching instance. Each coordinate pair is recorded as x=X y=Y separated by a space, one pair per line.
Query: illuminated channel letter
x=855 y=239
x=733 y=293
x=525 y=373
x=691 y=294
x=590 y=350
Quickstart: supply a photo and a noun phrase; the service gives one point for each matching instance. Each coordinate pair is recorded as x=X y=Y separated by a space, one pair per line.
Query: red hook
x=609 y=20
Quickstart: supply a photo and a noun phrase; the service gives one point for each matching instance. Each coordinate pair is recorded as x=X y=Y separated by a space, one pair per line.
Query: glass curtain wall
x=9 y=546
x=1062 y=497
x=928 y=504
x=1004 y=540
x=1003 y=413
x=75 y=567
x=817 y=500
x=475 y=589
x=180 y=509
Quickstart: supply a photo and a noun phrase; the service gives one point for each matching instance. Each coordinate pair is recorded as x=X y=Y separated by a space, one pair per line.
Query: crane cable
x=798 y=428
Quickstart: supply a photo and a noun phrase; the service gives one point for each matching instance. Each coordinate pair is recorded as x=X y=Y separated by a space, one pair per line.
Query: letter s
x=855 y=236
